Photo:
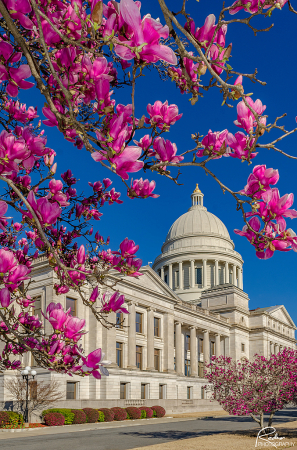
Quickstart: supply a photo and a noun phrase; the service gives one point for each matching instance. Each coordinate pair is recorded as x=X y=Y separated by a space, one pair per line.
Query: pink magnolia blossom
x=73 y=328
x=5 y=298
x=252 y=6
x=166 y=151
x=240 y=144
x=3 y=219
x=19 y=10
x=7 y=261
x=260 y=180
x=81 y=255
x=245 y=118
x=279 y=207
x=93 y=362
x=114 y=303
x=214 y=144
x=46 y=212
x=94 y=294
x=162 y=114
x=142 y=188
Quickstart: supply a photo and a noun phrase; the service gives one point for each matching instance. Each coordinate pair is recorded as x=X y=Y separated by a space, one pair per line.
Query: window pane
x=138 y=323
x=157 y=359
x=198 y=275
x=157 y=326
x=119 y=347
x=37 y=307
x=71 y=303
x=71 y=391
x=143 y=391
x=139 y=357
x=119 y=320
x=123 y=391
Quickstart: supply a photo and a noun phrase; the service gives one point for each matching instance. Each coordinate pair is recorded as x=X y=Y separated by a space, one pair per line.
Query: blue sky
x=268 y=282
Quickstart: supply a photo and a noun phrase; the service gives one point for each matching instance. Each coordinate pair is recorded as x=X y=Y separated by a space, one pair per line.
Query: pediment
x=280 y=313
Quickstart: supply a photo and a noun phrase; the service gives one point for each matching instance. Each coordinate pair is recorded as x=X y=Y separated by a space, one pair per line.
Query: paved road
x=124 y=436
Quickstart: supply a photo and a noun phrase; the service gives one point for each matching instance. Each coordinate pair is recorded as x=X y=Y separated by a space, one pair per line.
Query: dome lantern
x=197 y=199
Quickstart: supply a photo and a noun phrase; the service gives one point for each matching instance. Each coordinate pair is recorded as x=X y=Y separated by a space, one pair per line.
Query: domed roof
x=197 y=221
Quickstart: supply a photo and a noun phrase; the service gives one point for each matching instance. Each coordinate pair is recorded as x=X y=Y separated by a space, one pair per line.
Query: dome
x=197 y=221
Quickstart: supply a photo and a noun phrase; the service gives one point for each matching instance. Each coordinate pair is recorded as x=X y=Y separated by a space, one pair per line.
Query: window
x=187 y=367
x=221 y=275
x=71 y=390
x=33 y=390
x=71 y=303
x=200 y=345
x=242 y=347
x=139 y=322
x=189 y=392
x=156 y=327
x=119 y=347
x=176 y=279
x=198 y=276
x=188 y=342
x=166 y=279
x=157 y=359
x=123 y=391
x=139 y=357
x=162 y=391
x=174 y=365
x=212 y=348
x=202 y=392
x=231 y=276
x=119 y=320
x=37 y=306
x=144 y=391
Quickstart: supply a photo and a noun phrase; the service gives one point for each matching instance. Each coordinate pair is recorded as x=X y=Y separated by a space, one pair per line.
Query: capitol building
x=188 y=306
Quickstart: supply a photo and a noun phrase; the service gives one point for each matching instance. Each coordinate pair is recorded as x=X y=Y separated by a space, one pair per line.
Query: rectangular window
x=187 y=367
x=139 y=357
x=37 y=306
x=198 y=276
x=200 y=345
x=166 y=278
x=221 y=275
x=162 y=391
x=144 y=391
x=139 y=322
x=188 y=342
x=242 y=347
x=71 y=303
x=33 y=390
x=156 y=327
x=202 y=392
x=189 y=392
x=212 y=348
x=123 y=391
x=119 y=347
x=119 y=320
x=157 y=359
x=71 y=390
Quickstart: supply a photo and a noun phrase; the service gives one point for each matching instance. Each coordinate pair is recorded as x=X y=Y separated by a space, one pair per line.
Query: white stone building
x=189 y=306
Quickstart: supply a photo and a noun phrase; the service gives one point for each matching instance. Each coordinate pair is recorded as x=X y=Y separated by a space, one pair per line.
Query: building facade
x=189 y=306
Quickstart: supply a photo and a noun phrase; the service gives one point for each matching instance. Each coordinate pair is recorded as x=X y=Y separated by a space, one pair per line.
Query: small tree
x=258 y=387
x=42 y=394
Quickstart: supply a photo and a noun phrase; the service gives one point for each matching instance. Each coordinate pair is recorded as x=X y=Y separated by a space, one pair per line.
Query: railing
x=203 y=311
x=134 y=402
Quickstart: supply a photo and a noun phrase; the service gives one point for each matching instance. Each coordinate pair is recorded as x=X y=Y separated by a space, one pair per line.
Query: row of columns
x=204 y=273
x=275 y=348
x=169 y=345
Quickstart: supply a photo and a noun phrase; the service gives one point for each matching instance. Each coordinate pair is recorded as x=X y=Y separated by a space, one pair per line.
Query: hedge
x=79 y=416
x=4 y=418
x=53 y=419
x=133 y=412
x=108 y=414
x=67 y=413
x=159 y=411
x=119 y=413
x=148 y=411
x=15 y=418
x=101 y=416
x=92 y=414
x=143 y=414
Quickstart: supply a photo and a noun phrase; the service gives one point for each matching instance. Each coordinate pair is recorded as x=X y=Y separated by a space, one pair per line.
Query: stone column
x=132 y=337
x=162 y=273
x=240 y=278
x=206 y=346
x=227 y=346
x=204 y=273
x=216 y=272
x=192 y=274
x=271 y=348
x=218 y=345
x=234 y=275
x=170 y=275
x=180 y=275
x=178 y=349
x=150 y=339
x=193 y=352
x=168 y=333
x=227 y=272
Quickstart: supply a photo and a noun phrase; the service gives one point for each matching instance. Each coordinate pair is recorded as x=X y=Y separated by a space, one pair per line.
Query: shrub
x=15 y=418
x=92 y=414
x=143 y=414
x=54 y=419
x=108 y=414
x=133 y=412
x=148 y=411
x=79 y=416
x=160 y=412
x=4 y=419
x=119 y=413
x=101 y=416
x=69 y=416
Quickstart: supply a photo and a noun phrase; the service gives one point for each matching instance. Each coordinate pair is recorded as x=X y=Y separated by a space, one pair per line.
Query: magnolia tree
x=76 y=55
x=258 y=387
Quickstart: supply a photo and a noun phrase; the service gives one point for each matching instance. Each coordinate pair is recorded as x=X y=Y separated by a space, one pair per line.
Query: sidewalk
x=199 y=415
